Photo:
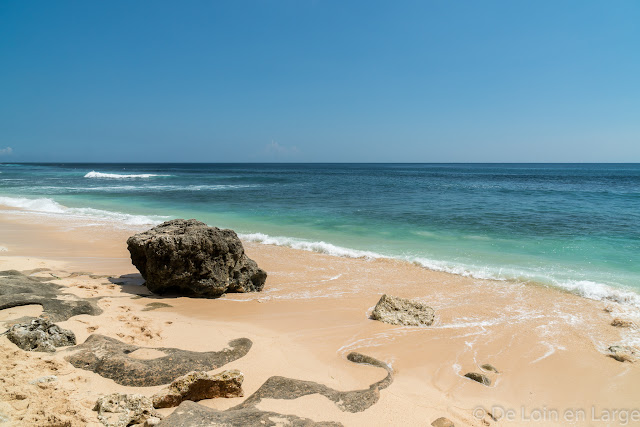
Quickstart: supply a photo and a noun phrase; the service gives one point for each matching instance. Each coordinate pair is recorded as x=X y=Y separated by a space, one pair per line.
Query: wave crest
x=101 y=175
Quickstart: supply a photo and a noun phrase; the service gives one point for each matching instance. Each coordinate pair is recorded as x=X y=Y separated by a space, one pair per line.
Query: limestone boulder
x=402 y=311
x=188 y=257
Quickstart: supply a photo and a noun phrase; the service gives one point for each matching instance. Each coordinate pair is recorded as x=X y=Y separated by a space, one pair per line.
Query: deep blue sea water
x=575 y=226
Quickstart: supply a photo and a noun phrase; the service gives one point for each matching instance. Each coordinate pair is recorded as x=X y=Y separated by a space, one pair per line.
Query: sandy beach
x=548 y=346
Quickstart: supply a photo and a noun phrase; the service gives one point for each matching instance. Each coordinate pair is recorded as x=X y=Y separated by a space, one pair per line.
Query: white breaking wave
x=587 y=289
x=47 y=206
x=320 y=247
x=94 y=174
x=601 y=292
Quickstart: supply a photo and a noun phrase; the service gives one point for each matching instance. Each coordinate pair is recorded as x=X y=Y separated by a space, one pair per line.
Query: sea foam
x=311 y=246
x=46 y=206
x=101 y=175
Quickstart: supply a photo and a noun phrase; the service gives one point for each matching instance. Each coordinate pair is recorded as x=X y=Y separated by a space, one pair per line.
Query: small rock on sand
x=122 y=410
x=621 y=323
x=481 y=378
x=443 y=422
x=401 y=311
x=196 y=386
x=623 y=353
x=40 y=335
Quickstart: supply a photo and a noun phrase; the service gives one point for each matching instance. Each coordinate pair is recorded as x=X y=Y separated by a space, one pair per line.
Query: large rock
x=401 y=311
x=187 y=256
x=198 y=385
x=122 y=410
x=40 y=335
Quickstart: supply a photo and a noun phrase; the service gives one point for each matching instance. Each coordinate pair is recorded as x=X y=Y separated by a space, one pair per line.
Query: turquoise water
x=575 y=226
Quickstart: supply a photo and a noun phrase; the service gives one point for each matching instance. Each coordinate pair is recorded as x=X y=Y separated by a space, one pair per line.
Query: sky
x=320 y=81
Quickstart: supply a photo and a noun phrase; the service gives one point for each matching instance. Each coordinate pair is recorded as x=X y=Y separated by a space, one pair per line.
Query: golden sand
x=548 y=345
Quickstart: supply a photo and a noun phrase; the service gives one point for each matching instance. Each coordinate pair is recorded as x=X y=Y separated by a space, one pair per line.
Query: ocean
x=573 y=226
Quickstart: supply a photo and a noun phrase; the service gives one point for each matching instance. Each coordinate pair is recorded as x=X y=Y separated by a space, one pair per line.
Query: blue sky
x=320 y=81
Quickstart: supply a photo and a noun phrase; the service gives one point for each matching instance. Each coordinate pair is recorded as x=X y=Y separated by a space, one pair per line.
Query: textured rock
x=401 y=311
x=190 y=414
x=621 y=323
x=481 y=378
x=623 y=353
x=40 y=335
x=198 y=385
x=121 y=410
x=17 y=290
x=443 y=422
x=187 y=256
x=109 y=358
x=347 y=401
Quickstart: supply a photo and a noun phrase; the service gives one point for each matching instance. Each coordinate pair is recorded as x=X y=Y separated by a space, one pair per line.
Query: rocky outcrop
x=189 y=257
x=17 y=289
x=190 y=414
x=122 y=410
x=40 y=335
x=200 y=385
x=346 y=401
x=110 y=358
x=481 y=378
x=623 y=353
x=247 y=413
x=401 y=311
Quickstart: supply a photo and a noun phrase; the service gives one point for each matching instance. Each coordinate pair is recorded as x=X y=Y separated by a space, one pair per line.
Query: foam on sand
x=311 y=246
x=46 y=206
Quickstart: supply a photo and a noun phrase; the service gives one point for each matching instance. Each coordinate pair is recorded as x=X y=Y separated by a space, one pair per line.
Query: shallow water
x=575 y=226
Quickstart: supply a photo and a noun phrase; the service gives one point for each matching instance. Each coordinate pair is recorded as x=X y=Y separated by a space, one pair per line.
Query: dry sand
x=547 y=345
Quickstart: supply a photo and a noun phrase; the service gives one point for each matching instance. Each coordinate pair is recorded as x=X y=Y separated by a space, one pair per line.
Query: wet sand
x=548 y=345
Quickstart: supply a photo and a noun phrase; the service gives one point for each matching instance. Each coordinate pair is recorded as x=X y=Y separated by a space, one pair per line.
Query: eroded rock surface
x=200 y=385
x=247 y=414
x=402 y=311
x=17 y=290
x=347 y=401
x=40 y=335
x=109 y=358
x=122 y=410
x=189 y=257
x=190 y=414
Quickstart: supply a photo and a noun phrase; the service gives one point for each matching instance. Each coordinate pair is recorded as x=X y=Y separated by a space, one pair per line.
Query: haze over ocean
x=575 y=226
